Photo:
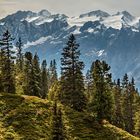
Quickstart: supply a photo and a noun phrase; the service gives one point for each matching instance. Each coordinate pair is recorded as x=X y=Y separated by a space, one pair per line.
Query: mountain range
x=114 y=38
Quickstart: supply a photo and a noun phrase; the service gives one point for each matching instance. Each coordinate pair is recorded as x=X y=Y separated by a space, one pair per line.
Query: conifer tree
x=32 y=74
x=52 y=73
x=125 y=81
x=19 y=59
x=28 y=74
x=36 y=76
x=118 y=119
x=7 y=64
x=103 y=101
x=19 y=67
x=71 y=76
x=129 y=103
x=44 y=80
x=89 y=85
x=2 y=55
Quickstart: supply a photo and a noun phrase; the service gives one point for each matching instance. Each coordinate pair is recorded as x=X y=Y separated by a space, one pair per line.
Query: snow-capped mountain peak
x=116 y=21
x=97 y=13
x=40 y=17
x=126 y=14
x=44 y=13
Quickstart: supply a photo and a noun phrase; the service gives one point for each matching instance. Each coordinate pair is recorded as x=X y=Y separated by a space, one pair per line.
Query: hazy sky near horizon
x=70 y=7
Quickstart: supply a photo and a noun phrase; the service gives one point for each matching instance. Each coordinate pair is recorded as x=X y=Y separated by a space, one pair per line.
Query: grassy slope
x=28 y=118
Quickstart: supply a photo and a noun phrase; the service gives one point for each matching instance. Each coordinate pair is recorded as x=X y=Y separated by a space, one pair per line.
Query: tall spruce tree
x=36 y=76
x=89 y=85
x=72 y=82
x=1 y=65
x=28 y=74
x=7 y=64
x=32 y=74
x=118 y=119
x=103 y=101
x=126 y=103
x=52 y=73
x=129 y=103
x=19 y=67
x=19 y=59
x=125 y=81
x=44 y=80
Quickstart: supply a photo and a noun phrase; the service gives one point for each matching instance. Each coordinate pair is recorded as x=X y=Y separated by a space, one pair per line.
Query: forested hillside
x=67 y=106
x=32 y=118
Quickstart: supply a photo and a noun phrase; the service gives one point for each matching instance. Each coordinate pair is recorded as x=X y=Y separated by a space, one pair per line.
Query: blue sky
x=70 y=7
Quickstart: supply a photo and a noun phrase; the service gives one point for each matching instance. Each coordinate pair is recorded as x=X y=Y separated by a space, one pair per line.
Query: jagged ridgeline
x=114 y=38
x=37 y=103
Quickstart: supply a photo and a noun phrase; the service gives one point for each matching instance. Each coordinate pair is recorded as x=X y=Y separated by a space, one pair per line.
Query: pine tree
x=71 y=76
x=36 y=76
x=32 y=74
x=103 y=101
x=89 y=85
x=118 y=119
x=7 y=64
x=125 y=81
x=19 y=59
x=1 y=65
x=52 y=73
x=19 y=67
x=126 y=103
x=129 y=103
x=28 y=74
x=44 y=80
